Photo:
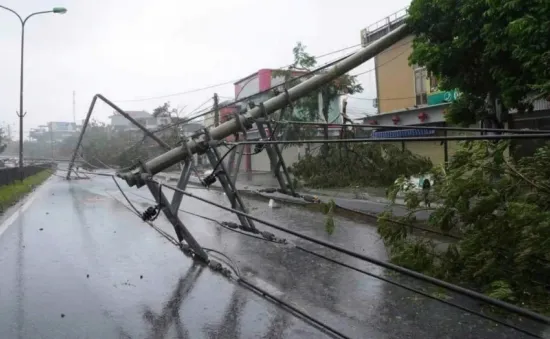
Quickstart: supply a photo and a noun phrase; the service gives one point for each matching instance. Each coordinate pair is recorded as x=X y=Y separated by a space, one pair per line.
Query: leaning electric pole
x=207 y=140
x=245 y=121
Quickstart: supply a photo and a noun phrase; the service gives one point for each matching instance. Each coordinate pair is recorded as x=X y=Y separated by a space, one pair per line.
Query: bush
x=501 y=213
x=372 y=165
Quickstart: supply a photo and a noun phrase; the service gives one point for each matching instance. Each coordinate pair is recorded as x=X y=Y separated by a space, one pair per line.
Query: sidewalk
x=368 y=203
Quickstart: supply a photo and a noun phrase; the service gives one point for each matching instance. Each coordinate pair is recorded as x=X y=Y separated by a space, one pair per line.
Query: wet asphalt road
x=96 y=271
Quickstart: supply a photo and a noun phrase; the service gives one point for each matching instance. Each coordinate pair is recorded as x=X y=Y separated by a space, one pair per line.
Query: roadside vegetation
x=12 y=193
x=363 y=165
x=496 y=54
x=500 y=210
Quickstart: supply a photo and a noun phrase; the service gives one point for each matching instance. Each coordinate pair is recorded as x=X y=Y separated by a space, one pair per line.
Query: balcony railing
x=383 y=27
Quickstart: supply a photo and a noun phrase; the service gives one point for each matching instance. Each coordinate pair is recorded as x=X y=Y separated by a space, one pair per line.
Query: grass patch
x=10 y=194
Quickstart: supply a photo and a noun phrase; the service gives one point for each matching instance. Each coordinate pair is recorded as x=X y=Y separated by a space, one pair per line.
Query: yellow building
x=406 y=94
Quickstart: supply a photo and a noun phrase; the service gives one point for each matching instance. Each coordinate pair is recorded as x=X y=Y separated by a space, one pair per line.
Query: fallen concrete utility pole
x=201 y=145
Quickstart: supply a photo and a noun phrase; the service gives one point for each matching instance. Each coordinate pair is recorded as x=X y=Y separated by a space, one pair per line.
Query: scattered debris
x=273 y=204
x=128 y=283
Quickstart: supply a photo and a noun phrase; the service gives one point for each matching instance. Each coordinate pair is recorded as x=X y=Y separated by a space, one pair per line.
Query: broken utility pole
x=207 y=142
x=245 y=121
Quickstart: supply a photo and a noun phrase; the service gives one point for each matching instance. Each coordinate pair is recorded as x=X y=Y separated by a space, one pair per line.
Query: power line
x=198 y=108
x=382 y=140
x=435 y=128
x=179 y=93
x=265 y=91
x=390 y=266
x=420 y=292
x=309 y=73
x=382 y=64
x=236 y=269
x=240 y=278
x=399 y=269
x=226 y=82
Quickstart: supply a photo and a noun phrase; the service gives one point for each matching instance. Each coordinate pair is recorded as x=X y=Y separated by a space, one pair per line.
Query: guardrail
x=11 y=174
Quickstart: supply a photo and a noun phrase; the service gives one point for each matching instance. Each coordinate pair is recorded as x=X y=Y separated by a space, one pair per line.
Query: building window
x=434 y=83
x=420 y=76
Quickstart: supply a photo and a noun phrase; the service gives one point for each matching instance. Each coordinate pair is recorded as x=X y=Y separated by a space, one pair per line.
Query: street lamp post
x=21 y=114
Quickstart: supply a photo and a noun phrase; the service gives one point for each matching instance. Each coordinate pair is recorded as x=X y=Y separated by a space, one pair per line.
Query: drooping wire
x=390 y=266
x=126 y=197
x=265 y=235
x=420 y=292
x=284 y=84
x=226 y=82
x=334 y=261
x=240 y=279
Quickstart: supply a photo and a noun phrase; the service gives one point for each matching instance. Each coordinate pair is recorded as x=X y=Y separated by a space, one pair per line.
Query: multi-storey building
x=408 y=95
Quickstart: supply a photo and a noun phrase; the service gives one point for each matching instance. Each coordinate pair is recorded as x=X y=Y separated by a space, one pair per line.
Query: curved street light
x=56 y=10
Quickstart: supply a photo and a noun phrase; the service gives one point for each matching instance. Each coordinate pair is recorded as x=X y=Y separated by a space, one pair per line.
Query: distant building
x=55 y=131
x=120 y=123
x=190 y=128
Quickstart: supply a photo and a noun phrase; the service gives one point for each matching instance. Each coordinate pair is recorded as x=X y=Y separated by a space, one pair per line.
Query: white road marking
x=29 y=200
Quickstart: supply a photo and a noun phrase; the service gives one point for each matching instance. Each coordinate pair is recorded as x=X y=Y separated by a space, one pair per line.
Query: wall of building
x=394 y=77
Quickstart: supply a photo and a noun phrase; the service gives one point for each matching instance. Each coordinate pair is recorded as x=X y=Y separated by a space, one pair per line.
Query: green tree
x=493 y=50
x=307 y=108
x=500 y=213
x=363 y=165
x=3 y=141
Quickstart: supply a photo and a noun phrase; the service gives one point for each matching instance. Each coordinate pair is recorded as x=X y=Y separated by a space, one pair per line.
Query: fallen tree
x=500 y=211
x=365 y=165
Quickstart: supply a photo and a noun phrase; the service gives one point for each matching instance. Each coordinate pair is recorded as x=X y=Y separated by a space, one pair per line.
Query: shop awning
x=403 y=133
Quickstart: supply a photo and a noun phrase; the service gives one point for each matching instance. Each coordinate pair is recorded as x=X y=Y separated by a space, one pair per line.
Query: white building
x=151 y=122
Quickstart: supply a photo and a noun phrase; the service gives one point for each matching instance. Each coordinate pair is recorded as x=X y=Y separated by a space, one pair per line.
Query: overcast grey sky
x=134 y=49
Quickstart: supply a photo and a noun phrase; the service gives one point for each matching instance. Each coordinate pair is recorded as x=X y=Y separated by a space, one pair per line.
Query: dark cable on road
x=455 y=288
x=247 y=284
x=399 y=269
x=126 y=197
x=425 y=294
x=223 y=224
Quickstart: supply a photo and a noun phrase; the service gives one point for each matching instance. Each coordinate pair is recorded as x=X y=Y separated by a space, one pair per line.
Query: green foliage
x=499 y=48
x=104 y=146
x=501 y=212
x=307 y=108
x=328 y=211
x=3 y=143
x=10 y=194
x=370 y=164
x=165 y=110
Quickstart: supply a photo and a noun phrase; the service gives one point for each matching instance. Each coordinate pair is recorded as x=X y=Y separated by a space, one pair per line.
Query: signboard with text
x=58 y=126
x=443 y=97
